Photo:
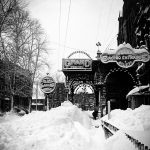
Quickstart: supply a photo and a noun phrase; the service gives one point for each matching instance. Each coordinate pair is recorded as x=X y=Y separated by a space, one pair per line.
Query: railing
x=138 y=144
x=112 y=129
x=109 y=126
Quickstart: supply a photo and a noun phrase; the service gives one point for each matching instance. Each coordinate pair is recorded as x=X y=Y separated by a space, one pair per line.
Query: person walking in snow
x=95 y=113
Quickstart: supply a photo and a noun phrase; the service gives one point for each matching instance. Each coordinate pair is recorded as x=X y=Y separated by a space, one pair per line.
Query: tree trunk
x=12 y=102
x=30 y=103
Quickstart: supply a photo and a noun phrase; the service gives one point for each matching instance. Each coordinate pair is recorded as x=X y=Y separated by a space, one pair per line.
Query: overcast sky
x=89 y=21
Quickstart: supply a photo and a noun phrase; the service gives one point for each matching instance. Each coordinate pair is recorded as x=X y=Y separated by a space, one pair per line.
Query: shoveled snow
x=119 y=142
x=137 y=119
x=69 y=128
x=135 y=123
x=62 y=128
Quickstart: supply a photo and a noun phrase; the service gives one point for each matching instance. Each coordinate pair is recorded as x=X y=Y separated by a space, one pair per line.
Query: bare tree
x=6 y=8
x=23 y=45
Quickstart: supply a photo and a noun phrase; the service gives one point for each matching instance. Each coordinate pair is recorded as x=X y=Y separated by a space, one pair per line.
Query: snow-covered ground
x=137 y=119
x=135 y=122
x=68 y=128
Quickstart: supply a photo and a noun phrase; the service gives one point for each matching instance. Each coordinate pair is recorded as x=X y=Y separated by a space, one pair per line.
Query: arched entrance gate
x=110 y=81
x=78 y=72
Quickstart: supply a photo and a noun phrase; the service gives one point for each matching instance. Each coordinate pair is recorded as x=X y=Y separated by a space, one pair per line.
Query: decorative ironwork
x=99 y=77
x=75 y=52
x=121 y=70
x=125 y=56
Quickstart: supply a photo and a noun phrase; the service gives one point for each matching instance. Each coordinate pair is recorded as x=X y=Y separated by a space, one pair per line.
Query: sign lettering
x=47 y=84
x=126 y=57
x=77 y=64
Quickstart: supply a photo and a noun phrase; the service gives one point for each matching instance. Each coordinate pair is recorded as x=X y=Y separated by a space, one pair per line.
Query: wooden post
x=36 y=95
x=109 y=109
x=47 y=102
x=67 y=95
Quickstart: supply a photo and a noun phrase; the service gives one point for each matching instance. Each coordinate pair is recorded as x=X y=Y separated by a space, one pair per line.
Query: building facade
x=112 y=76
x=134 y=28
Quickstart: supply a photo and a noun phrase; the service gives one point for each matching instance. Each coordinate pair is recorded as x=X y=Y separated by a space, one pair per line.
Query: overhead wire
x=99 y=23
x=63 y=45
x=59 y=19
x=111 y=4
x=116 y=34
x=58 y=52
x=67 y=26
x=111 y=41
x=108 y=36
x=68 y=18
x=121 y=28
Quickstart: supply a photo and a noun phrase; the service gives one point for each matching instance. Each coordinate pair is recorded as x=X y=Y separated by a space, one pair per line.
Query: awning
x=138 y=89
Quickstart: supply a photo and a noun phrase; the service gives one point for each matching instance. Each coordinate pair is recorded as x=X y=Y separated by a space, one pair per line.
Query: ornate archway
x=106 y=75
x=78 y=71
x=118 y=83
x=84 y=96
x=108 y=80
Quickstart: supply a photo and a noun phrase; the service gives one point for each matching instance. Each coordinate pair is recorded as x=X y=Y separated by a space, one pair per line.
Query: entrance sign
x=47 y=84
x=125 y=56
x=77 y=64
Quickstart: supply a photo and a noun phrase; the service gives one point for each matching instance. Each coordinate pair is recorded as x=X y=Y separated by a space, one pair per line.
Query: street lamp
x=98 y=51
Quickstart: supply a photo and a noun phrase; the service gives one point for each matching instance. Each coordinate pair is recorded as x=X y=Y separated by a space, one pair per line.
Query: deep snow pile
x=68 y=128
x=135 y=122
x=137 y=119
x=119 y=141
x=62 y=128
x=9 y=116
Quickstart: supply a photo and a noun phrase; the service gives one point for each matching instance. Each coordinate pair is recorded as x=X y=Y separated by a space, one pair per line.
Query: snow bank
x=62 y=128
x=68 y=128
x=137 y=119
x=9 y=116
x=119 y=141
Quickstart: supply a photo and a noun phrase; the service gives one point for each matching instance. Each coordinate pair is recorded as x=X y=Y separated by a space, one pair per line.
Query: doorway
x=118 y=84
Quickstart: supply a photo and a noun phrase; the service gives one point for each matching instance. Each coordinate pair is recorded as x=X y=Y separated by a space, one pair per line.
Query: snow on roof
x=137 y=89
x=128 y=46
x=110 y=51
